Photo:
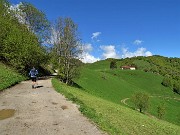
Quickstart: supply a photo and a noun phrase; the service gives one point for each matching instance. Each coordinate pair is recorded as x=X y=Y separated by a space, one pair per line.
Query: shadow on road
x=44 y=77
x=39 y=86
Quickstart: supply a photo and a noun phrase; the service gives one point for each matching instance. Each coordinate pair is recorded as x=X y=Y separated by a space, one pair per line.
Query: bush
x=161 y=110
x=167 y=81
x=113 y=64
x=176 y=87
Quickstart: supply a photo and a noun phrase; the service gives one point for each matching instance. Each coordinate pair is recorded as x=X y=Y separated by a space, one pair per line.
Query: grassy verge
x=114 y=118
x=8 y=77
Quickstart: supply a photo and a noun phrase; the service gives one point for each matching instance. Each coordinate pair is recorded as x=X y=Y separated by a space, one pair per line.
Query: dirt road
x=42 y=111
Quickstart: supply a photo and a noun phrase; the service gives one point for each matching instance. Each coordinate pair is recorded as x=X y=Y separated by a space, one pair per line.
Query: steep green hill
x=97 y=80
x=116 y=85
x=8 y=77
x=167 y=67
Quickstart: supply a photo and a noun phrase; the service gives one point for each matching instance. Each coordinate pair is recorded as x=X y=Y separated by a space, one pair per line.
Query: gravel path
x=42 y=111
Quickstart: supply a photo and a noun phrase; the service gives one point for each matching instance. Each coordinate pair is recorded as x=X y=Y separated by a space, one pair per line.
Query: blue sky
x=120 y=28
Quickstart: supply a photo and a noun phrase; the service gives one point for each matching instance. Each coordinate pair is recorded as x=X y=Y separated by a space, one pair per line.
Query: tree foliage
x=67 y=48
x=176 y=87
x=167 y=81
x=35 y=20
x=161 y=110
x=113 y=64
x=19 y=47
x=141 y=101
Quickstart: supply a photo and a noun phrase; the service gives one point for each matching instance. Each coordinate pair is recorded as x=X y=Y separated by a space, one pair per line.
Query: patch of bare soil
x=42 y=111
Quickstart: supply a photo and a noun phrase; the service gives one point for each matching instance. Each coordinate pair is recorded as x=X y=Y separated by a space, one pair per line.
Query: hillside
x=8 y=77
x=168 y=68
x=164 y=66
x=115 y=118
x=116 y=85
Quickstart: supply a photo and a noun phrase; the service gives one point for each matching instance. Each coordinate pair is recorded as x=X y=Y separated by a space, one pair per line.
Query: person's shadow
x=39 y=86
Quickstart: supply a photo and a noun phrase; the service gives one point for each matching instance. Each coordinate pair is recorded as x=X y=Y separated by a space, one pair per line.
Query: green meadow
x=115 y=85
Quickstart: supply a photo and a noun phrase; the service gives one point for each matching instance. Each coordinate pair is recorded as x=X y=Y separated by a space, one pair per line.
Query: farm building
x=128 y=68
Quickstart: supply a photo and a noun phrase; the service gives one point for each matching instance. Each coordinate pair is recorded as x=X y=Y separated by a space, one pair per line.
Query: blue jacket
x=33 y=72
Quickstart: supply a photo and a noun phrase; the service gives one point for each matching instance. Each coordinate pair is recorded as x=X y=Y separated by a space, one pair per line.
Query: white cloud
x=86 y=56
x=95 y=35
x=138 y=42
x=87 y=48
x=139 y=52
x=148 y=53
x=109 y=52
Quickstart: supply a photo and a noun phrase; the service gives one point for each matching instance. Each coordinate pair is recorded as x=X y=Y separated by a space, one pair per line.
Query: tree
x=161 y=110
x=35 y=20
x=19 y=47
x=67 y=48
x=176 y=87
x=113 y=64
x=141 y=101
x=3 y=14
x=167 y=81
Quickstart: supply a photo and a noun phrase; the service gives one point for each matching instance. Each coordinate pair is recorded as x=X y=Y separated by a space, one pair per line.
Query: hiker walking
x=33 y=73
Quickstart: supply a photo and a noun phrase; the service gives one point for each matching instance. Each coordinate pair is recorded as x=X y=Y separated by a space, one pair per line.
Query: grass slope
x=8 y=77
x=115 y=85
x=114 y=118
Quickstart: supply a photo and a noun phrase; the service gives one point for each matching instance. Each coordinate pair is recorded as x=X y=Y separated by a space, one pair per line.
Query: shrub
x=161 y=110
x=176 y=87
x=167 y=81
x=113 y=64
